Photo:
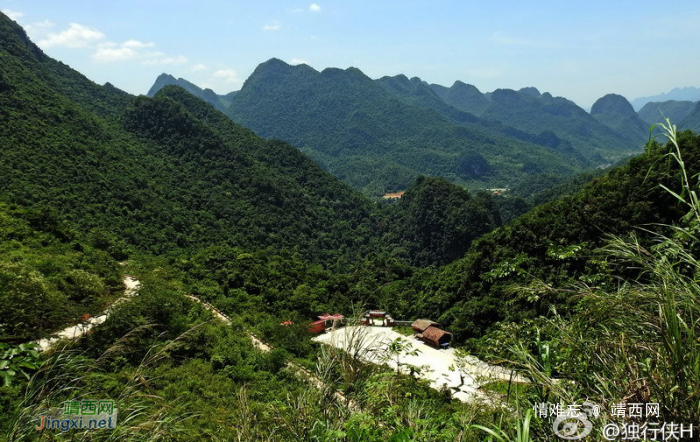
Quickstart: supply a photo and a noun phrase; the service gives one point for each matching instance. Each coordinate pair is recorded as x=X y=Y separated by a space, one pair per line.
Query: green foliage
x=617 y=113
x=435 y=222
x=46 y=278
x=549 y=121
x=655 y=112
x=469 y=295
x=376 y=142
x=17 y=360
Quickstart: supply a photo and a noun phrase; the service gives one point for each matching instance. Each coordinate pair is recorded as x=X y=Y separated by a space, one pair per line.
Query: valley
x=219 y=264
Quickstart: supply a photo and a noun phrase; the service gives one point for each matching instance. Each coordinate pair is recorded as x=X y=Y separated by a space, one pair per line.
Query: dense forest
x=97 y=185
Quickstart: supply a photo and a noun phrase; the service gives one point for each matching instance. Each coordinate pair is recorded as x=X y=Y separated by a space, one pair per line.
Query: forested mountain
x=96 y=184
x=555 y=243
x=220 y=102
x=149 y=171
x=692 y=121
x=435 y=222
x=418 y=93
x=655 y=112
x=677 y=94
x=550 y=118
x=375 y=142
x=617 y=113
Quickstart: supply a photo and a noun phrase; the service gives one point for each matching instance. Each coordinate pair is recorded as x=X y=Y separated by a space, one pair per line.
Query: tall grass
x=636 y=342
x=69 y=375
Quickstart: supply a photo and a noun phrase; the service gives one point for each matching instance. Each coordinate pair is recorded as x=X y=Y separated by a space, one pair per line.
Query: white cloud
x=159 y=61
x=133 y=50
x=135 y=44
x=298 y=61
x=314 y=7
x=76 y=36
x=14 y=15
x=110 y=52
x=227 y=75
x=198 y=67
x=272 y=26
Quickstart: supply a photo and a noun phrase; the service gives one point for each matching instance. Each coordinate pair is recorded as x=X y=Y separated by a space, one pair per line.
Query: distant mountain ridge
x=537 y=113
x=379 y=135
x=220 y=102
x=692 y=120
x=161 y=174
x=676 y=111
x=677 y=94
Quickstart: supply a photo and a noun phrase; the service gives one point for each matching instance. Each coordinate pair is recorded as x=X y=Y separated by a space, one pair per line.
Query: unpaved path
x=258 y=343
x=78 y=330
x=435 y=363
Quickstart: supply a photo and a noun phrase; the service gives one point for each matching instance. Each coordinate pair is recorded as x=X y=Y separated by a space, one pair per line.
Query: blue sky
x=580 y=50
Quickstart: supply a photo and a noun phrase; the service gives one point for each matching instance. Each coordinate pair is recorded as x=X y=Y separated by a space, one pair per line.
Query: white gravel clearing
x=435 y=363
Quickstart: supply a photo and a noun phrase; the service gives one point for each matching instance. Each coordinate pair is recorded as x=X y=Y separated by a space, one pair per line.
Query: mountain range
x=380 y=135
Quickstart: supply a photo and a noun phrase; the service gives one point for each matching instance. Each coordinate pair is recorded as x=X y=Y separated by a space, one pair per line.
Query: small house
x=436 y=337
x=419 y=325
x=325 y=321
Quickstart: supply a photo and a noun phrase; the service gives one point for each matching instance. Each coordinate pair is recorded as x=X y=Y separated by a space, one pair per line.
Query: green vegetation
x=617 y=113
x=375 y=142
x=592 y=295
x=435 y=222
x=555 y=243
x=553 y=121
x=654 y=112
x=692 y=121
x=47 y=277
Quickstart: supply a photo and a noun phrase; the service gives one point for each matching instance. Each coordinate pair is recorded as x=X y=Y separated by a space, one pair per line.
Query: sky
x=581 y=50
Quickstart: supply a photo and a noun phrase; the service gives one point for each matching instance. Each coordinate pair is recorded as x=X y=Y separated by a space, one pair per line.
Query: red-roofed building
x=325 y=321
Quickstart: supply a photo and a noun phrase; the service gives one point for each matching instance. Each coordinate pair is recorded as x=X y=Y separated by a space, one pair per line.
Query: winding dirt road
x=78 y=330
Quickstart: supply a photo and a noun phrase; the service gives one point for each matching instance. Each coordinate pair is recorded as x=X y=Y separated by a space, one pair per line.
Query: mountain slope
x=555 y=243
x=692 y=121
x=150 y=171
x=375 y=142
x=676 y=111
x=220 y=102
x=534 y=113
x=617 y=113
x=543 y=116
x=435 y=222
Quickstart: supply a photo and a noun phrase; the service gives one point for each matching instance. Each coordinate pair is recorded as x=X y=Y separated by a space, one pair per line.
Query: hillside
x=551 y=119
x=362 y=134
x=655 y=112
x=692 y=121
x=48 y=275
x=220 y=102
x=556 y=243
x=435 y=222
x=617 y=113
x=107 y=160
